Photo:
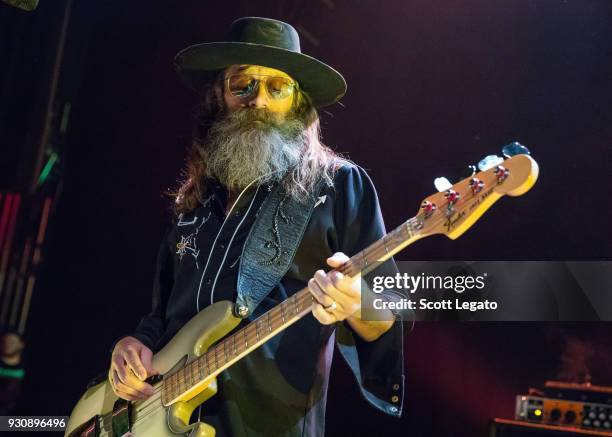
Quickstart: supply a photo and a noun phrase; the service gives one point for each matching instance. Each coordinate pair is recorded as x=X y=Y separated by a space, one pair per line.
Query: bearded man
x=258 y=138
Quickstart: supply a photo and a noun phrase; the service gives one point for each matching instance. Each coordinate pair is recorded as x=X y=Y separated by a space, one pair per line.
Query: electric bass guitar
x=202 y=349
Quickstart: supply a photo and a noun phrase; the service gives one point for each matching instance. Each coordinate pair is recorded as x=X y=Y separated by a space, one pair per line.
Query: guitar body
x=149 y=417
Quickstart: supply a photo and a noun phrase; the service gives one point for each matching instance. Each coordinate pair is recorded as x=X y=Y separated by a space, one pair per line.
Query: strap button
x=242 y=310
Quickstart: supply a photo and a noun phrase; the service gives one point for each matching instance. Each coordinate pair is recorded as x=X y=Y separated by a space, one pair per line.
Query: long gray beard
x=251 y=144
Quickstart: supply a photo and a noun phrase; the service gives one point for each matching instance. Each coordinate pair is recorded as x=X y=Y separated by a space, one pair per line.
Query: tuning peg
x=452 y=196
x=490 y=162
x=501 y=173
x=513 y=149
x=428 y=207
x=476 y=185
x=442 y=184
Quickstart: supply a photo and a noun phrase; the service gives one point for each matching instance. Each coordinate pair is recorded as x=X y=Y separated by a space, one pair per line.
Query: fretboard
x=232 y=348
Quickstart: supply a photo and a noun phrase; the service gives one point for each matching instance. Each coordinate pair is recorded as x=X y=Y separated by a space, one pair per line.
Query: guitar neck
x=239 y=344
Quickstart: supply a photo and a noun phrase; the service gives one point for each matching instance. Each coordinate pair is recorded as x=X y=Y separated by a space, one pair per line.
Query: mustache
x=249 y=117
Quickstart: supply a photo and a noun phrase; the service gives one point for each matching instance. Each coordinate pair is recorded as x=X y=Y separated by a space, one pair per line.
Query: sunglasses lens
x=279 y=87
x=241 y=85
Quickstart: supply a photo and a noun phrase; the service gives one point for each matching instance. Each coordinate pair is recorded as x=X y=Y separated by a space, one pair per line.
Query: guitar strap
x=271 y=245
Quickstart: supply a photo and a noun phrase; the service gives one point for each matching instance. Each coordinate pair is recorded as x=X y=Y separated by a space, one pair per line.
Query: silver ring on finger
x=332 y=307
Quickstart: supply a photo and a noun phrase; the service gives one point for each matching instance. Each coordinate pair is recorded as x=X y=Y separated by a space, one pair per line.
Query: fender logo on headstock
x=452 y=220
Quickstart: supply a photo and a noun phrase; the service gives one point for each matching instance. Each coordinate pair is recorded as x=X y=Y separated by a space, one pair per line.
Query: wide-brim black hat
x=269 y=43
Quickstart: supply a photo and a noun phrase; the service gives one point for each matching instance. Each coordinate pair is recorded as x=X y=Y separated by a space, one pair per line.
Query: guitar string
x=372 y=250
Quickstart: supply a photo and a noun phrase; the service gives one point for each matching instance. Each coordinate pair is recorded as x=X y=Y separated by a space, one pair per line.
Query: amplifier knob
x=596 y=423
x=555 y=414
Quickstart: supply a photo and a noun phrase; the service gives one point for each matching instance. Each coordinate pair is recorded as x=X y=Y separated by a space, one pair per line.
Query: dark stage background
x=432 y=86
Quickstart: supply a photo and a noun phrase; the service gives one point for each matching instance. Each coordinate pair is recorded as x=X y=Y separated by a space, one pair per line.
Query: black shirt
x=280 y=388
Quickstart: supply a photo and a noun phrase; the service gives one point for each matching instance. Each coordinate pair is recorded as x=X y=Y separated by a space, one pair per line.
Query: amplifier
x=564 y=412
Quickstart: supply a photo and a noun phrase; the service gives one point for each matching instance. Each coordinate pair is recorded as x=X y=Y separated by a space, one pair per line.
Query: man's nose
x=260 y=98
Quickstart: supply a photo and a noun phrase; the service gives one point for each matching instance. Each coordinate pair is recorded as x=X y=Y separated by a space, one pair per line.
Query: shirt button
x=395 y=399
x=208 y=281
x=222 y=246
x=395 y=387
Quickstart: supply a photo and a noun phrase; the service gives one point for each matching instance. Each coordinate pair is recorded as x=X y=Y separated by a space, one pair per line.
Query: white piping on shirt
x=212 y=290
x=182 y=223
x=218 y=233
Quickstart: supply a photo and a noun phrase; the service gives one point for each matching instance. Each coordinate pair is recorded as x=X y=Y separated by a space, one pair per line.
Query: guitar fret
x=282 y=304
x=219 y=356
x=213 y=362
x=181 y=377
x=397 y=235
x=269 y=325
x=365 y=260
x=214 y=359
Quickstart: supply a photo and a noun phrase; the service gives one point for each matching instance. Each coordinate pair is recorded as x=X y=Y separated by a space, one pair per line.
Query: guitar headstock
x=454 y=211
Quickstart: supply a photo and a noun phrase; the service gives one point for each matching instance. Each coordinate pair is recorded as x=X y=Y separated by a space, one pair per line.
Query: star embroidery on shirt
x=188 y=245
x=321 y=200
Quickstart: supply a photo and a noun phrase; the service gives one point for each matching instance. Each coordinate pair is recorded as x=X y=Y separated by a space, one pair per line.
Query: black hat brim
x=322 y=83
